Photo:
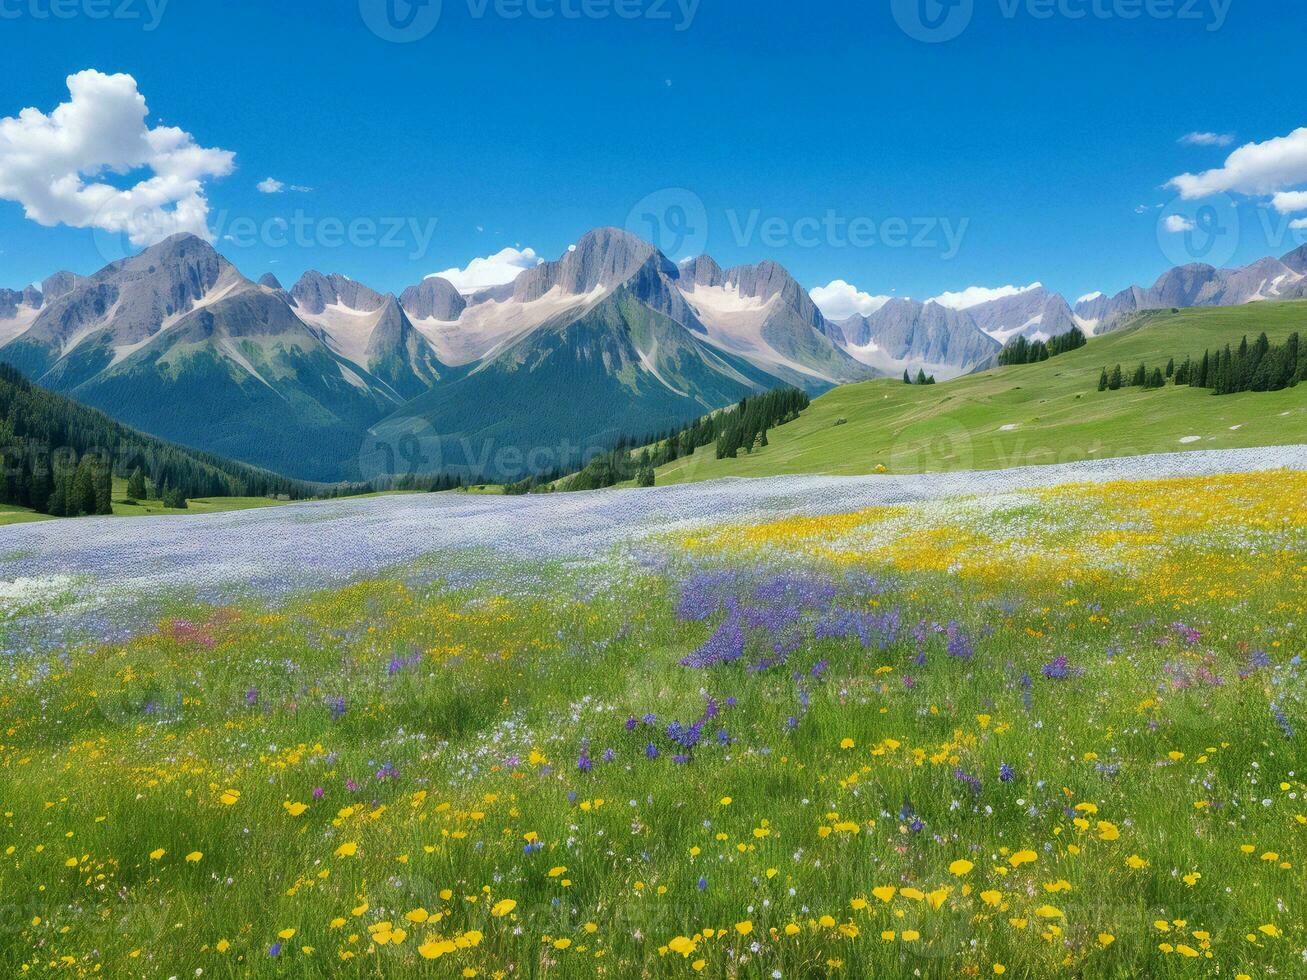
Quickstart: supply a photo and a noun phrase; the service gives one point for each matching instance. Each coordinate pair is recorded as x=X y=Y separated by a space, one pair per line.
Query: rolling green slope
x=1034 y=414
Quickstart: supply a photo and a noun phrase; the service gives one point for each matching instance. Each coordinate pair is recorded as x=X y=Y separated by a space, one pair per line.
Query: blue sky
x=1020 y=150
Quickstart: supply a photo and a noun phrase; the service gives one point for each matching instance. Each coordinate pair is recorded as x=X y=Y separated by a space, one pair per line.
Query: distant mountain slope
x=575 y=385
x=370 y=330
x=907 y=335
x=1035 y=314
x=176 y=342
x=44 y=431
x=1198 y=284
x=1039 y=413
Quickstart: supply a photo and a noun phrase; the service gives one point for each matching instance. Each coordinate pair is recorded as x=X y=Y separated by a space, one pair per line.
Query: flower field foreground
x=1053 y=733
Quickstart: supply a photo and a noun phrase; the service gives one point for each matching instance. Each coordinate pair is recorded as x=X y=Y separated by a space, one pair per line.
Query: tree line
x=741 y=427
x=60 y=458
x=1259 y=366
x=1019 y=350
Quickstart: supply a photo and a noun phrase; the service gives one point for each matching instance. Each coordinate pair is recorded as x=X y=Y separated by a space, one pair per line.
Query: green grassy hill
x=1034 y=414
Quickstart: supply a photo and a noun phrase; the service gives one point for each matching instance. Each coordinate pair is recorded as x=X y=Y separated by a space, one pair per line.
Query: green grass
x=1054 y=407
x=12 y=514
x=200 y=505
x=351 y=783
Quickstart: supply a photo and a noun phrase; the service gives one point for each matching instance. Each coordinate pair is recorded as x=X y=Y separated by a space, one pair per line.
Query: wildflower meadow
x=1053 y=732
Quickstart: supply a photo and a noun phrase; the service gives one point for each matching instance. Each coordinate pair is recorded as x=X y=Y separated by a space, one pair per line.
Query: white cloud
x=1287 y=202
x=1145 y=208
x=271 y=186
x=1177 y=223
x=1255 y=168
x=1298 y=224
x=1087 y=297
x=54 y=165
x=493 y=270
x=1207 y=139
x=838 y=300
x=975 y=295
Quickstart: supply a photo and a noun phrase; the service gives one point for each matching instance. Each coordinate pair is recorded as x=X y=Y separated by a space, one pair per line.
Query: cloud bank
x=57 y=165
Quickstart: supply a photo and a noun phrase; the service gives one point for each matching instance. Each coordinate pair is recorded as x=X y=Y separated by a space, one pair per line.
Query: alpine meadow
x=638 y=490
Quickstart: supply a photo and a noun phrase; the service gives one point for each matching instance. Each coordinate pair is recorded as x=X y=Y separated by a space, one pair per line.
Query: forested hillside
x=59 y=458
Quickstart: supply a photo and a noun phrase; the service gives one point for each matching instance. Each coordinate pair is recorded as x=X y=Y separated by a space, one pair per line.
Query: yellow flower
x=683 y=945
x=698 y=965
x=1106 y=939
x=992 y=898
x=295 y=809
x=348 y=849
x=222 y=946
x=792 y=929
x=1136 y=862
x=1048 y=912
x=847 y=743
x=417 y=916
x=194 y=857
x=1191 y=878
x=286 y=934
x=562 y=943
x=157 y=853
x=1269 y=930
x=885 y=892
x=555 y=872
x=726 y=801
x=1000 y=969
x=937 y=898
x=744 y=928
x=1107 y=830
x=960 y=867
x=229 y=797
x=911 y=935
x=1022 y=857
x=503 y=907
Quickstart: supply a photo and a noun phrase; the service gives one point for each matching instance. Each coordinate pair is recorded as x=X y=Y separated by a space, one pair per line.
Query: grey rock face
x=315 y=292
x=269 y=280
x=433 y=299
x=700 y=271
x=907 y=330
x=1297 y=260
x=1035 y=311
x=12 y=299
x=59 y=284
x=164 y=281
x=605 y=257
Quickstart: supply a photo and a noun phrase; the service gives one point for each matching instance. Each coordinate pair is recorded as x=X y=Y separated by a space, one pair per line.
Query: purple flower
x=251 y=699
x=318 y=792
x=275 y=949
x=1006 y=773
x=703 y=883
x=1057 y=669
x=651 y=751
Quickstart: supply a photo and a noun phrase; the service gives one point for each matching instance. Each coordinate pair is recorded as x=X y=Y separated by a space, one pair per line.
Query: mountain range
x=611 y=340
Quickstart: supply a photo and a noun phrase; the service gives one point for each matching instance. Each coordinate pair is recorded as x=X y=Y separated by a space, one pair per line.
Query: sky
x=891 y=147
